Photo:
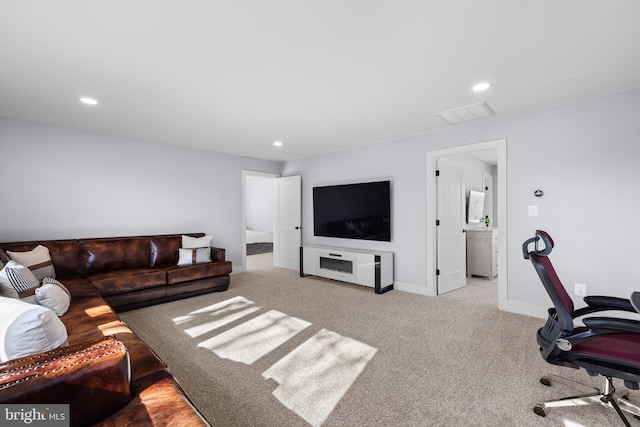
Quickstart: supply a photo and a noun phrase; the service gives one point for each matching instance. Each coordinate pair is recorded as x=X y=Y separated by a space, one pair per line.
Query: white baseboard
x=525 y=308
x=517 y=307
x=411 y=288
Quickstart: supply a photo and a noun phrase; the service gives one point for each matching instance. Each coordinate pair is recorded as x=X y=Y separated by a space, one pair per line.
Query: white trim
x=410 y=287
x=432 y=156
x=525 y=308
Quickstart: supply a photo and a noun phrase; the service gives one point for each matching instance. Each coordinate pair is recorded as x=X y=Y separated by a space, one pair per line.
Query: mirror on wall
x=475 y=207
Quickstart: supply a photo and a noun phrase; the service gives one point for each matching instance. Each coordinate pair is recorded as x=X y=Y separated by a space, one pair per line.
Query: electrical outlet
x=580 y=289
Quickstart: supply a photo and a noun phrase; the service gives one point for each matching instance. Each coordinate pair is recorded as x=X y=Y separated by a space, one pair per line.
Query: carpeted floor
x=280 y=350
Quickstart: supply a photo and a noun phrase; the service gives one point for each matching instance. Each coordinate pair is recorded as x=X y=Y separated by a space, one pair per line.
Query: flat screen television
x=353 y=211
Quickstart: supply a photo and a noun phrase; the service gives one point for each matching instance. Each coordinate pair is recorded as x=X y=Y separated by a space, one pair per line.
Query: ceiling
x=319 y=76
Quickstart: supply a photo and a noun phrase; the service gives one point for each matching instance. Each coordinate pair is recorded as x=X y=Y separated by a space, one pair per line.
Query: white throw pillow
x=53 y=297
x=53 y=281
x=194 y=256
x=17 y=281
x=189 y=242
x=38 y=260
x=28 y=329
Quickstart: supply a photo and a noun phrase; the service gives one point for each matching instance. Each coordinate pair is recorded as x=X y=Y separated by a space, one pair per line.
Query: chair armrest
x=599 y=326
x=609 y=325
x=92 y=377
x=217 y=254
x=596 y=303
x=613 y=303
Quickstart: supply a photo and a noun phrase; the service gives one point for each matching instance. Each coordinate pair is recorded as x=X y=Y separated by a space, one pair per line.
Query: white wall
x=61 y=183
x=260 y=204
x=64 y=183
x=584 y=155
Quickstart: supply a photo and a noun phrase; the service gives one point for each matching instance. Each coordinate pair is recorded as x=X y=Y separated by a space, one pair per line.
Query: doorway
x=257 y=232
x=496 y=149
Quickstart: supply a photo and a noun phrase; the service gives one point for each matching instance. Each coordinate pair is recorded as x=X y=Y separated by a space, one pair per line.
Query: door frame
x=501 y=146
x=245 y=175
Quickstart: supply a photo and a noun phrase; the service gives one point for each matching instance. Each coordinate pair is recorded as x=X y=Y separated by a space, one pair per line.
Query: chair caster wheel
x=539 y=410
x=545 y=381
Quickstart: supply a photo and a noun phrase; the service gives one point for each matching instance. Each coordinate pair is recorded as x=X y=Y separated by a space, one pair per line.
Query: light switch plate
x=580 y=289
x=533 y=210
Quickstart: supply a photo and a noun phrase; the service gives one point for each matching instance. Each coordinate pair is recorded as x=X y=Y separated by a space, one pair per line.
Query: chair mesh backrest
x=562 y=313
x=554 y=285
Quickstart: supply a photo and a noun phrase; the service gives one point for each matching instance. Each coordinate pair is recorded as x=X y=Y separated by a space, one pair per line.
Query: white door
x=287 y=193
x=451 y=237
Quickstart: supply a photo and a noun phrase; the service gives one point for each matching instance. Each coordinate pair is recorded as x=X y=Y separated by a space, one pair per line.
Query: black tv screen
x=353 y=211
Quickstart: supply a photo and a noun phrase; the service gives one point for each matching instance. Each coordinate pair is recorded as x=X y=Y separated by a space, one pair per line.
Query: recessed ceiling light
x=481 y=86
x=88 y=101
x=277 y=144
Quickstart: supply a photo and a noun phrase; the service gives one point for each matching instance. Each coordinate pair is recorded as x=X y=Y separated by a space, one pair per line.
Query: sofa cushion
x=131 y=279
x=79 y=287
x=38 y=260
x=185 y=273
x=28 y=329
x=88 y=318
x=164 y=250
x=144 y=360
x=65 y=254
x=101 y=255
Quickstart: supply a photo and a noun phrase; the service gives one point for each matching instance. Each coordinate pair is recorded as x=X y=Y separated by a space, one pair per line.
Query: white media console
x=362 y=267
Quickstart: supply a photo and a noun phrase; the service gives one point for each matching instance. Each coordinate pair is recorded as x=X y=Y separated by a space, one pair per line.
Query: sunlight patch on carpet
x=227 y=306
x=255 y=338
x=569 y=423
x=317 y=374
x=203 y=328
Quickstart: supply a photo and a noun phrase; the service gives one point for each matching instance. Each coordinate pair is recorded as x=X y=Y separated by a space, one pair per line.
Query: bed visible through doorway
x=259 y=242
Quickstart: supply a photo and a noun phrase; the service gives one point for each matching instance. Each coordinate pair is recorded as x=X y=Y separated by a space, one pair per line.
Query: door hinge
x=437 y=173
x=437 y=222
x=437 y=272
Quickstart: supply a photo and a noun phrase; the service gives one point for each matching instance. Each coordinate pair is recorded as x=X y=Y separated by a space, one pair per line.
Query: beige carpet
x=280 y=350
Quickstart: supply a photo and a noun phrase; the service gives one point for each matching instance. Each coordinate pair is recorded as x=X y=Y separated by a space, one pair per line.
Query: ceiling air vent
x=467 y=113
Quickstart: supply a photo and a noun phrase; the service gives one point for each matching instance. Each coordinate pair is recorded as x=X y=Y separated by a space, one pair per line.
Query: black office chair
x=606 y=346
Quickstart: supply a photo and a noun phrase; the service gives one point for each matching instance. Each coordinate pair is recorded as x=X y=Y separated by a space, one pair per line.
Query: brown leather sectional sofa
x=108 y=375
x=133 y=272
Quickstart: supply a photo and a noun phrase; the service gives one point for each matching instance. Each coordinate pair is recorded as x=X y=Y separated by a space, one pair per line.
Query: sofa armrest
x=92 y=377
x=217 y=254
x=158 y=400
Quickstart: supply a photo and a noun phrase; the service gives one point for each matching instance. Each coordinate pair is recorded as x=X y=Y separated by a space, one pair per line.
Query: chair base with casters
x=605 y=346
x=608 y=397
